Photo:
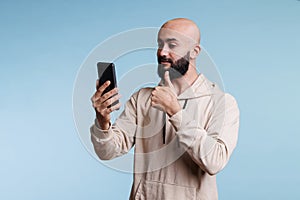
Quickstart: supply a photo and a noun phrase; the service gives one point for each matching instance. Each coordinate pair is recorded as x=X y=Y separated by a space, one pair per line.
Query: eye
x=172 y=45
x=160 y=45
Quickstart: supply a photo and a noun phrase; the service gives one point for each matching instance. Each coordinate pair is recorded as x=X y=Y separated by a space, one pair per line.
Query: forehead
x=166 y=34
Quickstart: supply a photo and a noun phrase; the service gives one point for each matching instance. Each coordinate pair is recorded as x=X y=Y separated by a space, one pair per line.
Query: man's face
x=177 y=68
x=172 y=54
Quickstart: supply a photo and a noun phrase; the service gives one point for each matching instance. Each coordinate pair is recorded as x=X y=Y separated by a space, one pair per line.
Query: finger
x=157 y=106
x=113 y=108
x=111 y=100
x=155 y=96
x=109 y=94
x=153 y=100
x=93 y=99
x=157 y=89
x=154 y=92
x=101 y=89
x=104 y=86
x=167 y=80
x=97 y=84
x=100 y=105
x=153 y=103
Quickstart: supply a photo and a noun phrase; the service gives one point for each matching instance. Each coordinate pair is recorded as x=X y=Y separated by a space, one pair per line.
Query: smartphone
x=107 y=72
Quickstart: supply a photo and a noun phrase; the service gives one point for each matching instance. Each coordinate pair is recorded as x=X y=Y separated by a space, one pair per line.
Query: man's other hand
x=165 y=98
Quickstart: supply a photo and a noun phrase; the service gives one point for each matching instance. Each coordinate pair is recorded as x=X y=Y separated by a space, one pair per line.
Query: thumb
x=97 y=84
x=168 y=82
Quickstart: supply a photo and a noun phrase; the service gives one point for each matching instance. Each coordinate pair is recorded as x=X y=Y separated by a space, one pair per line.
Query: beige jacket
x=175 y=158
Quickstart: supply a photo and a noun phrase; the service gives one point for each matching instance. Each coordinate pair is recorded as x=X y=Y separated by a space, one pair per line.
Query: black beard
x=177 y=69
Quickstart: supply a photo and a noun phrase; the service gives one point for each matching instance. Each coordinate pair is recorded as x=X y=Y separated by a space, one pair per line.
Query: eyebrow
x=169 y=40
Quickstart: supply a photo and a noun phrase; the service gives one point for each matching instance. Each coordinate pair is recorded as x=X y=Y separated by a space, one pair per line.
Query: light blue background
x=255 y=45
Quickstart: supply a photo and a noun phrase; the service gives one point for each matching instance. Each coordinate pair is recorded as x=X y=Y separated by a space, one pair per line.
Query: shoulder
x=220 y=99
x=142 y=95
x=143 y=92
x=217 y=92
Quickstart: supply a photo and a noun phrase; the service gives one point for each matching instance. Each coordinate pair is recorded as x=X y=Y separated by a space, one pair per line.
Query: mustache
x=164 y=59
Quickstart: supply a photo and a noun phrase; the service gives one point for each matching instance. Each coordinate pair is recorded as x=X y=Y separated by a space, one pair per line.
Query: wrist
x=173 y=110
x=103 y=125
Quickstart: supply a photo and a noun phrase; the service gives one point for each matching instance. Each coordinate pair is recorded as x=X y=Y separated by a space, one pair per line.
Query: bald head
x=185 y=27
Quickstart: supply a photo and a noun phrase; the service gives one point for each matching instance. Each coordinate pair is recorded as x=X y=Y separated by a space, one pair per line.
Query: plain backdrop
x=255 y=44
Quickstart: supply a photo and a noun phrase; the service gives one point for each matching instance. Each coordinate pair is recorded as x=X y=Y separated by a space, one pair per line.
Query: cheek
x=157 y=52
x=175 y=55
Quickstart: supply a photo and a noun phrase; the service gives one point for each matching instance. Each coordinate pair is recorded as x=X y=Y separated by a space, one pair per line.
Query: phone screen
x=106 y=71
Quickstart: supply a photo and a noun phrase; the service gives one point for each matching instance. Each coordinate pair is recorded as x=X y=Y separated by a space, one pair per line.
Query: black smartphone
x=107 y=72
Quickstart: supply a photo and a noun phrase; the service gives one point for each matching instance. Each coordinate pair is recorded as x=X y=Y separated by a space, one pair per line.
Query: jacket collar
x=201 y=87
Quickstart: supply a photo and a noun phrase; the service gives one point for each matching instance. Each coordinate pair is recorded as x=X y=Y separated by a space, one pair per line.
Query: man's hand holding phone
x=103 y=103
x=106 y=98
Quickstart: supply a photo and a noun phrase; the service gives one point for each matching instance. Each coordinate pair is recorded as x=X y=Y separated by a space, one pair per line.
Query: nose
x=163 y=51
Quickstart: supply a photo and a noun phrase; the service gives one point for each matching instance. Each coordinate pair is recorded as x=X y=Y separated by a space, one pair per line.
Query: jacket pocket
x=153 y=190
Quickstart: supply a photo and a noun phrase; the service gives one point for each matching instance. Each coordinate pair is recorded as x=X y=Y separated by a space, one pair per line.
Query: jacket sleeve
x=210 y=148
x=119 y=138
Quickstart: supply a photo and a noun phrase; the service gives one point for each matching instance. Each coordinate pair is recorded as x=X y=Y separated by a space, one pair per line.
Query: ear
x=195 y=51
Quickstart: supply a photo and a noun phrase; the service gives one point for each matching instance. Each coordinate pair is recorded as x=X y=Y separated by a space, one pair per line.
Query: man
x=184 y=130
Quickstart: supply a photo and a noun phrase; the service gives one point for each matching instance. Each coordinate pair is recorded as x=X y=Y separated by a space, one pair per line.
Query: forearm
x=210 y=148
x=110 y=143
x=209 y=153
x=118 y=139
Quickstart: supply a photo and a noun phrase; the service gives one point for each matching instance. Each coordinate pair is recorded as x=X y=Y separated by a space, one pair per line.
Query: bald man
x=183 y=131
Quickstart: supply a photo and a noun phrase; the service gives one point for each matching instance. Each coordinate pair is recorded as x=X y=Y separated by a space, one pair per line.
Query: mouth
x=165 y=63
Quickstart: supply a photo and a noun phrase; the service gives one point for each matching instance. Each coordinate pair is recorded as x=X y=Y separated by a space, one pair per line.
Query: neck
x=182 y=83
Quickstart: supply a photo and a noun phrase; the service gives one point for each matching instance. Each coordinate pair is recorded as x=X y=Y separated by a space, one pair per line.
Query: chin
x=166 y=65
